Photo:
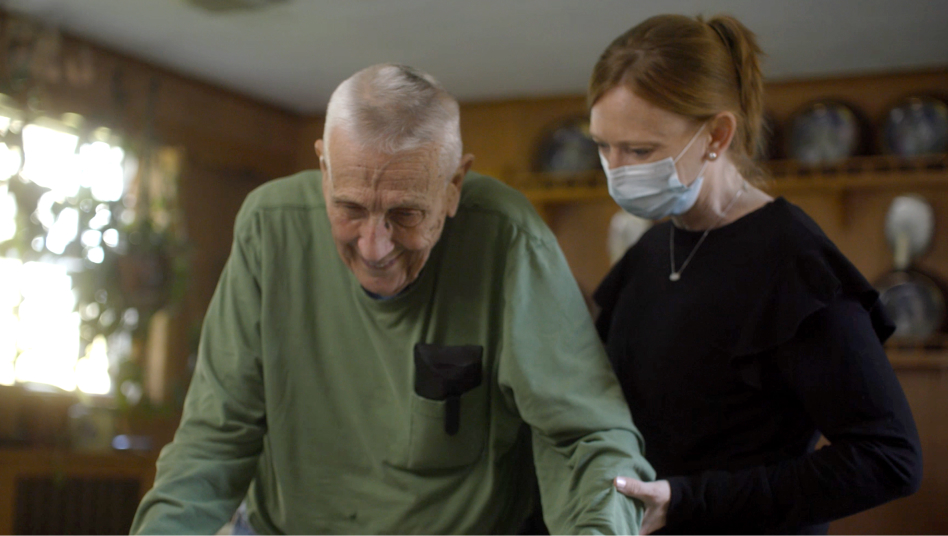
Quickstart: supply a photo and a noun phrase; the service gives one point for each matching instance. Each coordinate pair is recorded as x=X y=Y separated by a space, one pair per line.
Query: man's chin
x=384 y=288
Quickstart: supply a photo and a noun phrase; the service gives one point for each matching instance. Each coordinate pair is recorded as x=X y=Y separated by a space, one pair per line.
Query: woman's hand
x=655 y=495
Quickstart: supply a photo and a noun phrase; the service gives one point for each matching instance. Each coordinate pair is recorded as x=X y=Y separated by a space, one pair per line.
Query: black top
x=770 y=337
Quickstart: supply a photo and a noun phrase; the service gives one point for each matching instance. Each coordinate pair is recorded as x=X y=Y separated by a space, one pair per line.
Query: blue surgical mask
x=653 y=191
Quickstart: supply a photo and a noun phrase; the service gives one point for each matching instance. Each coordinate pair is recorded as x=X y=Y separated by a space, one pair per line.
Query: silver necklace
x=675 y=275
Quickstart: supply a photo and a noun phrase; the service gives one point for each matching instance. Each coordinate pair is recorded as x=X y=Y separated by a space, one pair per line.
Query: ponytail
x=744 y=51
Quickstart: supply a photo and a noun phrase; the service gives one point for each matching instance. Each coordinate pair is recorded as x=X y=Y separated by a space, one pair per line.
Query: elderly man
x=388 y=340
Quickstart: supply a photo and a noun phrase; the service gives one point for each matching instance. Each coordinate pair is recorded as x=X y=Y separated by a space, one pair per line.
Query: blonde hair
x=693 y=68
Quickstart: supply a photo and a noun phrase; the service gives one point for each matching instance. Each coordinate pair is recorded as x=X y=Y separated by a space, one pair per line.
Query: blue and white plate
x=824 y=132
x=916 y=126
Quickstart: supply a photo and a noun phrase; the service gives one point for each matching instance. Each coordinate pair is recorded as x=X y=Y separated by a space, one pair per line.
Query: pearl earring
x=712 y=155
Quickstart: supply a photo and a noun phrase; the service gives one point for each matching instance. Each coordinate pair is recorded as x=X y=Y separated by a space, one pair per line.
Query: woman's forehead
x=620 y=114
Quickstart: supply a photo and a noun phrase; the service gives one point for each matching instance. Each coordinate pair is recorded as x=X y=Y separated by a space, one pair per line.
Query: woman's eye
x=406 y=217
x=639 y=152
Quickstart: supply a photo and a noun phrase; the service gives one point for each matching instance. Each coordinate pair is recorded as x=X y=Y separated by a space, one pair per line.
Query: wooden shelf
x=932 y=355
x=787 y=177
x=861 y=173
x=566 y=194
x=18 y=464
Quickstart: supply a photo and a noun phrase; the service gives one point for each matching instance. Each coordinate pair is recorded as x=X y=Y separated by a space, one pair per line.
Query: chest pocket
x=449 y=408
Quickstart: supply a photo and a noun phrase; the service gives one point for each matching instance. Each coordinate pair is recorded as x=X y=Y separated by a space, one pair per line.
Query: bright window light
x=102 y=218
x=111 y=238
x=100 y=168
x=7 y=214
x=95 y=255
x=10 y=161
x=48 y=330
x=91 y=238
x=39 y=324
x=9 y=299
x=51 y=159
x=64 y=231
x=92 y=370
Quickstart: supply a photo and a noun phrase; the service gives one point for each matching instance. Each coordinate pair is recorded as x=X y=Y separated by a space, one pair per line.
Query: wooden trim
x=17 y=463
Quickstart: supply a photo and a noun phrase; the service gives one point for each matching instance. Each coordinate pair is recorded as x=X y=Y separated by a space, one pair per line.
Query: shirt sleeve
x=205 y=472
x=837 y=370
x=554 y=373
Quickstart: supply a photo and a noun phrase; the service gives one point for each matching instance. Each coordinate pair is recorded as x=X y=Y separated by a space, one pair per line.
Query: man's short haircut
x=393 y=108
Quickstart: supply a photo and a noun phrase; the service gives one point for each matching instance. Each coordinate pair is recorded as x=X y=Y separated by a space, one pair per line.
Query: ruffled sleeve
x=803 y=283
x=814 y=326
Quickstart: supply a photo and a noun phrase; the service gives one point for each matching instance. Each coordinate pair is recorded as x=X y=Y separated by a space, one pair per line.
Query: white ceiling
x=293 y=54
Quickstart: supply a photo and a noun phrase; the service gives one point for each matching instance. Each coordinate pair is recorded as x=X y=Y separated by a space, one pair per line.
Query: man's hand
x=655 y=495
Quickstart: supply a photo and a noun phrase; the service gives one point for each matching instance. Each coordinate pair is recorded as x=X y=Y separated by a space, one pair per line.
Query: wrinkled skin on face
x=387 y=211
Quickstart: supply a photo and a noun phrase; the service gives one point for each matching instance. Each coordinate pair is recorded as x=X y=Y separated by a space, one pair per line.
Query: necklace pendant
x=674 y=276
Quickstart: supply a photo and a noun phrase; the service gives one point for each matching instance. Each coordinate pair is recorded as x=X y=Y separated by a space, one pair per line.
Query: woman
x=737 y=329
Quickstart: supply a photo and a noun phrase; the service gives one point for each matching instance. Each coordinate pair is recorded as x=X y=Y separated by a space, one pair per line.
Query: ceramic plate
x=824 y=132
x=916 y=126
x=567 y=147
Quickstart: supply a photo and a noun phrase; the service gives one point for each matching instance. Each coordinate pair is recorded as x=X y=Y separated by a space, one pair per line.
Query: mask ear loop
x=690 y=143
x=700 y=172
x=683 y=151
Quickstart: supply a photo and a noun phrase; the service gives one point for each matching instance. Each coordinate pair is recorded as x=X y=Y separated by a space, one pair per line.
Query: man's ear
x=321 y=154
x=722 y=129
x=320 y=151
x=455 y=183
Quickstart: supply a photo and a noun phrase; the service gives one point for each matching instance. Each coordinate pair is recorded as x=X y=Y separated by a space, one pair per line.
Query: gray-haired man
x=389 y=338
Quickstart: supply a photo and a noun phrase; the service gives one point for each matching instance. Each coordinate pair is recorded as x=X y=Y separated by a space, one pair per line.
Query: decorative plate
x=909 y=226
x=824 y=132
x=915 y=303
x=567 y=148
x=916 y=126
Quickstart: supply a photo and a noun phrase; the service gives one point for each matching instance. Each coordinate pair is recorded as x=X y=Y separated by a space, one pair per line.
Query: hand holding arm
x=655 y=496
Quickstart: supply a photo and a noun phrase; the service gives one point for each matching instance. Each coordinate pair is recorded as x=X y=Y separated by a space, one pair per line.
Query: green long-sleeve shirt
x=304 y=386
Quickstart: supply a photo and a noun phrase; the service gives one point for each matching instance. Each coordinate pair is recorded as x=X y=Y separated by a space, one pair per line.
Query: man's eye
x=352 y=212
x=406 y=217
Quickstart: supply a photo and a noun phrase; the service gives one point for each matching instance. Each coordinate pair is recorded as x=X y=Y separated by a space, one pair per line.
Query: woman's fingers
x=636 y=488
x=655 y=495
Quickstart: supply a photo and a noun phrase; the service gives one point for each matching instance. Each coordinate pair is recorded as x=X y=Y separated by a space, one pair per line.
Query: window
x=64 y=199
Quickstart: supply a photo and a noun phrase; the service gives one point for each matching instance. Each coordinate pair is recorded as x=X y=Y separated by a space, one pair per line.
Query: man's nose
x=375 y=239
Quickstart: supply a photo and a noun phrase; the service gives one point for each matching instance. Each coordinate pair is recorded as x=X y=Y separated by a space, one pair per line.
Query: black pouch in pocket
x=446 y=373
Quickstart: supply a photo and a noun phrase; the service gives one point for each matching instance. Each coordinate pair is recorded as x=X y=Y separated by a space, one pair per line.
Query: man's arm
x=555 y=370
x=204 y=473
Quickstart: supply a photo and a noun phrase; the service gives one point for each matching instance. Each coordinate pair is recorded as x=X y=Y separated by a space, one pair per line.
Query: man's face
x=386 y=211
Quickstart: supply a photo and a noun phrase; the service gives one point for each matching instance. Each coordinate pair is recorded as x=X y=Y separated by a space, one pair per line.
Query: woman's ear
x=722 y=129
